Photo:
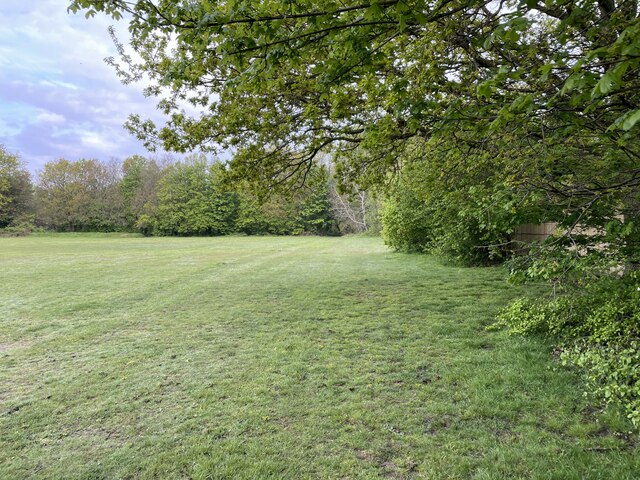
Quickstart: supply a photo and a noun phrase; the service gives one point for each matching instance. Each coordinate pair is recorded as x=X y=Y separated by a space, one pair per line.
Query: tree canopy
x=80 y=196
x=15 y=189
x=282 y=81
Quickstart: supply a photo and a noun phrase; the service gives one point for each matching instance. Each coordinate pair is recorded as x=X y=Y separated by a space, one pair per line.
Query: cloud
x=97 y=141
x=57 y=96
x=49 y=83
x=45 y=116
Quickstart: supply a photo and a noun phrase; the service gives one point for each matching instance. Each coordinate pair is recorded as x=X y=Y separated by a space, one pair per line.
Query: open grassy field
x=254 y=358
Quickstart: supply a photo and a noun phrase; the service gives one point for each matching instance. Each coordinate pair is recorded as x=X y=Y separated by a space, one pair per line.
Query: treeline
x=164 y=197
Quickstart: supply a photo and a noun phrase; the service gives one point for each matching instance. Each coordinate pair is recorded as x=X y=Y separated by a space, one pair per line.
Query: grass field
x=124 y=357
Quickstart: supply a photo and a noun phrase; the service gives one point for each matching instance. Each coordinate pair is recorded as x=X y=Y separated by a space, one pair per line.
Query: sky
x=58 y=98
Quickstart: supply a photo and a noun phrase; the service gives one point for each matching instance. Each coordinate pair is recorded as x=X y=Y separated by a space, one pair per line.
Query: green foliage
x=304 y=210
x=80 y=196
x=406 y=222
x=132 y=182
x=545 y=95
x=195 y=199
x=192 y=200
x=275 y=215
x=315 y=210
x=22 y=226
x=273 y=78
x=145 y=224
x=536 y=103
x=192 y=197
x=578 y=254
x=599 y=327
x=139 y=190
x=15 y=189
x=612 y=373
x=465 y=217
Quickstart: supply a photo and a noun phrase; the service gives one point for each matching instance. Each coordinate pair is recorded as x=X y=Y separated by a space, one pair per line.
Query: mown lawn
x=124 y=357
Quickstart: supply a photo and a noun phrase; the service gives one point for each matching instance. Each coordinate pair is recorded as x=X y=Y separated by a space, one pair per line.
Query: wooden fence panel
x=531 y=232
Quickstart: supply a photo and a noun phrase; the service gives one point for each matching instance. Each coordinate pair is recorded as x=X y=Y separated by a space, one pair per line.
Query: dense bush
x=21 y=227
x=407 y=222
x=598 y=330
x=465 y=219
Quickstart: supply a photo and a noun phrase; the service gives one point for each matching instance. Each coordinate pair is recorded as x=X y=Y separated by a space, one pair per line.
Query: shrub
x=405 y=223
x=21 y=227
x=468 y=223
x=612 y=373
x=598 y=330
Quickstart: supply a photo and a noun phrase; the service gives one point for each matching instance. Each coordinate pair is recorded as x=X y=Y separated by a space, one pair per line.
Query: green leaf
x=570 y=83
x=605 y=84
x=488 y=42
x=485 y=90
x=545 y=70
x=630 y=119
x=373 y=12
x=511 y=36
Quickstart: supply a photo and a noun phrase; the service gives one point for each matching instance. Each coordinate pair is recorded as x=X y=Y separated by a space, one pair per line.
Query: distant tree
x=131 y=184
x=139 y=187
x=192 y=200
x=107 y=207
x=274 y=215
x=82 y=195
x=315 y=210
x=16 y=191
x=307 y=209
x=356 y=211
x=59 y=196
